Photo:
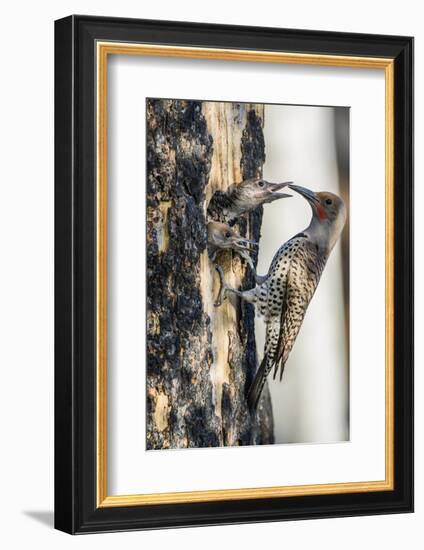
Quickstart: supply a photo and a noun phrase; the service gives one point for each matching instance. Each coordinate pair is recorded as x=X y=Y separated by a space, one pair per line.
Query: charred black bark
x=186 y=405
x=252 y=159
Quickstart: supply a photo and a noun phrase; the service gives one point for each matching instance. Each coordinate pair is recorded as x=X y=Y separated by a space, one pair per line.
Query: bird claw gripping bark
x=223 y=287
x=259 y=279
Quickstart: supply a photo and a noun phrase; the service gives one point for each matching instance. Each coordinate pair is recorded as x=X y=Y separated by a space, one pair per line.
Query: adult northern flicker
x=283 y=298
x=241 y=198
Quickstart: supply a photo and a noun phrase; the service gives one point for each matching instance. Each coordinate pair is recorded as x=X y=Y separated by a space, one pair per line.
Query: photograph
x=247 y=283
x=233 y=272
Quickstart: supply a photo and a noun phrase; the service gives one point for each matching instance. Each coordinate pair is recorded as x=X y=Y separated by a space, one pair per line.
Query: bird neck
x=224 y=205
x=239 y=201
x=318 y=233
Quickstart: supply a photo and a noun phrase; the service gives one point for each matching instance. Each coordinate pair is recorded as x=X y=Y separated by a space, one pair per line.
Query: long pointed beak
x=240 y=244
x=275 y=187
x=243 y=240
x=306 y=193
x=278 y=186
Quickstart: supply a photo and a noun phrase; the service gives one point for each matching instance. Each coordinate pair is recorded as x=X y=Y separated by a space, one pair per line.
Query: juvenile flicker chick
x=241 y=198
x=223 y=237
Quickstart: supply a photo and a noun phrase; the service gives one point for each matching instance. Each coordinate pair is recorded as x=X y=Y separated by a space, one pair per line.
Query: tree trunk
x=200 y=359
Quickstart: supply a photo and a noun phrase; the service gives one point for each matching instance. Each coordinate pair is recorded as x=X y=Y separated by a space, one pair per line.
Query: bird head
x=221 y=235
x=251 y=193
x=328 y=212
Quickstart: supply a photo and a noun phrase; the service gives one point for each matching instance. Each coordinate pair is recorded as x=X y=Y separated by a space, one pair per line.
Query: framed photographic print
x=234 y=274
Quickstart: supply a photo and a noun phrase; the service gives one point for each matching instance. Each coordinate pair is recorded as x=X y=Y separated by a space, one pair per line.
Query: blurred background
x=310 y=146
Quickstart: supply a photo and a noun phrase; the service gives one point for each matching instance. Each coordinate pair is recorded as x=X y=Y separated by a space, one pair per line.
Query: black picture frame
x=76 y=510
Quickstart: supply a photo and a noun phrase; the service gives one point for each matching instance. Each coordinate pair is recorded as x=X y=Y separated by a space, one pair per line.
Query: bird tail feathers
x=255 y=390
x=278 y=366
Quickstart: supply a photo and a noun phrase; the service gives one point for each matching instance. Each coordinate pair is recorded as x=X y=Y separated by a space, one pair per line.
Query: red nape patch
x=322 y=214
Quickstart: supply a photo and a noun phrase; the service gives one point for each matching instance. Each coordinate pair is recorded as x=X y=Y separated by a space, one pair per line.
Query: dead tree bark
x=200 y=359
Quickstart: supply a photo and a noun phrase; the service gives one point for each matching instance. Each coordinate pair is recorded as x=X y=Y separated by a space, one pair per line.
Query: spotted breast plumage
x=283 y=300
x=285 y=293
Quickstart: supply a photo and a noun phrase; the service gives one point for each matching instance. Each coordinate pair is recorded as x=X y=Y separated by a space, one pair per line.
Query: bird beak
x=243 y=240
x=306 y=193
x=240 y=243
x=273 y=188
x=271 y=192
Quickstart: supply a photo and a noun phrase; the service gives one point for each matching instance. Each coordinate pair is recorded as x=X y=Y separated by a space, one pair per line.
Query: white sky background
x=311 y=404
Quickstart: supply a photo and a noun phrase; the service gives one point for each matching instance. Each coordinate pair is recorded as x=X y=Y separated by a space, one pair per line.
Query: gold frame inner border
x=104 y=49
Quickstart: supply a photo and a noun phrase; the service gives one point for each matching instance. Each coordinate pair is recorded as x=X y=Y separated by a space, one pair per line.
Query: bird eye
x=260 y=183
x=328 y=201
x=227 y=234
